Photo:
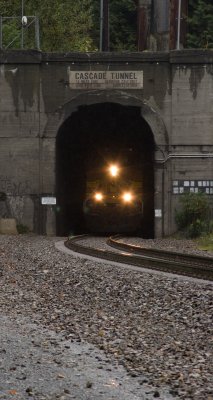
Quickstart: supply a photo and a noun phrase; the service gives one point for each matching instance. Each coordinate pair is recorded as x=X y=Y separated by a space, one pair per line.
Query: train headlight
x=127 y=197
x=98 y=196
x=113 y=170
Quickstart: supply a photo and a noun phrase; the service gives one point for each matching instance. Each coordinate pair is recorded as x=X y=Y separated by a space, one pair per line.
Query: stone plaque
x=105 y=79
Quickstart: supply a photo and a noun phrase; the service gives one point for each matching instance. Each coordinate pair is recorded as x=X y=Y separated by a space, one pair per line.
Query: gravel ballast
x=159 y=328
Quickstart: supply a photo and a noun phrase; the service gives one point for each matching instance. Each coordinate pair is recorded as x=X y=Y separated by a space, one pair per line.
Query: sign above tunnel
x=105 y=79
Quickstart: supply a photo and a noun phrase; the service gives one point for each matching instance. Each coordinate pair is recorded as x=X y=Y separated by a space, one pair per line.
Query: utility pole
x=1 y=29
x=22 y=27
x=143 y=23
x=101 y=24
x=104 y=25
x=178 y=25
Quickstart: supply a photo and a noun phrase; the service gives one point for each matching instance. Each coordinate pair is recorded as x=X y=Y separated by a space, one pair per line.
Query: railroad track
x=162 y=260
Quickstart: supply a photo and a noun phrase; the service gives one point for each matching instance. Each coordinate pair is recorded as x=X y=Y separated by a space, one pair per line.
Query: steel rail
x=196 y=260
x=143 y=261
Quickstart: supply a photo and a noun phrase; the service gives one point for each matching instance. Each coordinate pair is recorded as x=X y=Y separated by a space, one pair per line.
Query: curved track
x=163 y=260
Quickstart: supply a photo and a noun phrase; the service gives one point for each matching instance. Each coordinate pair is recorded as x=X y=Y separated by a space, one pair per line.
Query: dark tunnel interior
x=83 y=137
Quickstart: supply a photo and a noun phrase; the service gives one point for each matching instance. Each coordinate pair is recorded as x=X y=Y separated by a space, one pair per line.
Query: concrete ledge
x=191 y=56
x=8 y=226
x=185 y=56
x=20 y=57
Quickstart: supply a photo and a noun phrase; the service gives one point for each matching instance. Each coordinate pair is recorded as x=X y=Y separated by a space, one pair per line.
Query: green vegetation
x=73 y=25
x=123 y=25
x=70 y=25
x=22 y=228
x=200 y=24
x=65 y=25
x=205 y=242
x=193 y=218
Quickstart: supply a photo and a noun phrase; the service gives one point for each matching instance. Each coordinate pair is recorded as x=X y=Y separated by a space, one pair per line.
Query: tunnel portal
x=93 y=133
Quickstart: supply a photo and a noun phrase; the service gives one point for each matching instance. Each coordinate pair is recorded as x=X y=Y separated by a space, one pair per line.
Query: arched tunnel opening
x=95 y=135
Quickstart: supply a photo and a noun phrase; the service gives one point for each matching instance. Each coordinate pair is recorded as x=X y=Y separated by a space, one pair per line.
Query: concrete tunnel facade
x=37 y=98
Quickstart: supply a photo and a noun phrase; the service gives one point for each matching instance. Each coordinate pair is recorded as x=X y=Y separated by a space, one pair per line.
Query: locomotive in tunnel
x=113 y=200
x=91 y=196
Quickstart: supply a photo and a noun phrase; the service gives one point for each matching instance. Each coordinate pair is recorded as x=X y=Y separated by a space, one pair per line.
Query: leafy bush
x=196 y=229
x=22 y=228
x=193 y=217
x=206 y=242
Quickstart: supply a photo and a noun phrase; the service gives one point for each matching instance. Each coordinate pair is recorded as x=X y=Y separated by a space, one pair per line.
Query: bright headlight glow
x=113 y=170
x=98 y=196
x=127 y=197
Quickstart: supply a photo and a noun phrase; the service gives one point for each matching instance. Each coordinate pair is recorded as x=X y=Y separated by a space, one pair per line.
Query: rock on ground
x=159 y=328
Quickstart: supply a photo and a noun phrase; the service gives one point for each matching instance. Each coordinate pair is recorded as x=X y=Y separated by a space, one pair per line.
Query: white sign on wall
x=48 y=200
x=158 y=213
x=192 y=186
x=105 y=79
